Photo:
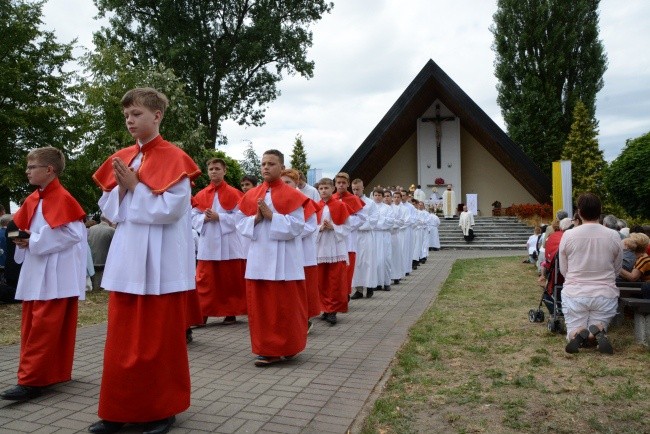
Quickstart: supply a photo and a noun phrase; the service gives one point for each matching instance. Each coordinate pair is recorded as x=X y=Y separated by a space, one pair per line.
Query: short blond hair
x=343 y=175
x=326 y=181
x=48 y=156
x=147 y=97
x=641 y=241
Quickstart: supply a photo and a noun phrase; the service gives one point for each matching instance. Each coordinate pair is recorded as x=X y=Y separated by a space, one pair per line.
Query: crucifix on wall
x=438 y=120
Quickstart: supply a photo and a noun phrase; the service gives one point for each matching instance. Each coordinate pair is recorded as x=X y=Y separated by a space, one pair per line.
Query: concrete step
x=492 y=233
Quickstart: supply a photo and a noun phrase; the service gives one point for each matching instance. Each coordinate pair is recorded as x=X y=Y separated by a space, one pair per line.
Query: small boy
x=149 y=272
x=332 y=252
x=52 y=248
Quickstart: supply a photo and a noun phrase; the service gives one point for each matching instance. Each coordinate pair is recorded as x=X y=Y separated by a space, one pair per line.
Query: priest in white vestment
x=466 y=222
x=449 y=203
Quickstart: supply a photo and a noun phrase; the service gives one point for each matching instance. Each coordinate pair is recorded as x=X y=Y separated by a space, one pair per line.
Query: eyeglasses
x=34 y=166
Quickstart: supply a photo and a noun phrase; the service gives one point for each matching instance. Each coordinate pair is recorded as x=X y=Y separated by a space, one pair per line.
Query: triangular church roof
x=400 y=123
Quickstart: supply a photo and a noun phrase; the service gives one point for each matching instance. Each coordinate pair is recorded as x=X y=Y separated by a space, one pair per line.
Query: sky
x=366 y=52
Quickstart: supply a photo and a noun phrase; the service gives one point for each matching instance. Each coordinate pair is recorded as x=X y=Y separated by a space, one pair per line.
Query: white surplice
x=365 y=266
x=332 y=245
x=219 y=240
x=275 y=251
x=152 y=251
x=54 y=265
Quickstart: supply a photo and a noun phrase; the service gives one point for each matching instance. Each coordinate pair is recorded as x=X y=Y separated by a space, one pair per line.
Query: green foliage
x=299 y=156
x=229 y=54
x=39 y=105
x=628 y=177
x=587 y=162
x=548 y=56
x=251 y=164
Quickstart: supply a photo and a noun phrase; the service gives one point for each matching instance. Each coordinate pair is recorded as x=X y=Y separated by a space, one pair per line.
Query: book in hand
x=17 y=234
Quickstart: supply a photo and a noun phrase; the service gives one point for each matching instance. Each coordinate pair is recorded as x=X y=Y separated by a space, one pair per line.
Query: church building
x=436 y=131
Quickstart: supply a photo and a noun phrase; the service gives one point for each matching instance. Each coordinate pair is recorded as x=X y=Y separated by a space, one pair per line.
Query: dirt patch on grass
x=474 y=363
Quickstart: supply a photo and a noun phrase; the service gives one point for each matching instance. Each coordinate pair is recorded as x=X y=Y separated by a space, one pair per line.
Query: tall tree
x=628 y=177
x=251 y=164
x=299 y=156
x=38 y=100
x=587 y=162
x=230 y=54
x=548 y=56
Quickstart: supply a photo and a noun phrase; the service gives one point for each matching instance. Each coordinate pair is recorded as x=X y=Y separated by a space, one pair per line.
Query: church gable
x=404 y=119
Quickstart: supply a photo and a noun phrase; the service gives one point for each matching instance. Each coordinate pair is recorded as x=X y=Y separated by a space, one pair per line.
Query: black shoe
x=229 y=320
x=423 y=260
x=357 y=295
x=324 y=316
x=386 y=287
x=369 y=292
x=160 y=426
x=396 y=281
x=331 y=318
x=574 y=344
x=21 y=393
x=601 y=337
x=408 y=274
x=188 y=336
x=105 y=427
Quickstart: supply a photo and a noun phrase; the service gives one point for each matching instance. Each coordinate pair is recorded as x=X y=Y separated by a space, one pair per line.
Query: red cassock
x=332 y=284
x=47 y=338
x=313 y=294
x=221 y=287
x=146 y=369
x=275 y=330
x=194 y=314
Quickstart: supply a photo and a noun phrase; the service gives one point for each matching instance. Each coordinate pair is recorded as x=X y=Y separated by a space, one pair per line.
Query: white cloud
x=368 y=51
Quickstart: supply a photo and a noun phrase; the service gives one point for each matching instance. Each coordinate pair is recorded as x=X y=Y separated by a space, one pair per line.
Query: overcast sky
x=368 y=51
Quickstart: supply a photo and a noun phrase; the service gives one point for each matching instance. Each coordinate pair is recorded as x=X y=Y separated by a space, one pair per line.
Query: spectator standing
x=99 y=239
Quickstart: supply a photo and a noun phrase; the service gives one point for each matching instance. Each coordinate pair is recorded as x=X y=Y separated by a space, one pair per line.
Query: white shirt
x=310 y=192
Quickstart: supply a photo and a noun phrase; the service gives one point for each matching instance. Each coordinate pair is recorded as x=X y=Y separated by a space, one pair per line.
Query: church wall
x=400 y=170
x=484 y=175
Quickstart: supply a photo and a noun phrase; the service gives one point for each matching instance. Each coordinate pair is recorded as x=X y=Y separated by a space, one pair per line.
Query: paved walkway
x=326 y=389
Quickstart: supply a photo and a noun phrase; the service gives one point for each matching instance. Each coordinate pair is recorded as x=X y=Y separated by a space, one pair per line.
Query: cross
x=438 y=120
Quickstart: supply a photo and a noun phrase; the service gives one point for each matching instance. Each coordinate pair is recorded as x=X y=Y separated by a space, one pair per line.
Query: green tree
x=587 y=162
x=628 y=177
x=230 y=54
x=299 y=156
x=38 y=100
x=548 y=56
x=251 y=164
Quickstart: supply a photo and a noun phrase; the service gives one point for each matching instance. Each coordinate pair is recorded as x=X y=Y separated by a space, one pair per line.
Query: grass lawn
x=91 y=311
x=474 y=363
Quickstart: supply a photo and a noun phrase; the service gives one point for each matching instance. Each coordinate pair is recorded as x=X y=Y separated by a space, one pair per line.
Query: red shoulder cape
x=312 y=207
x=163 y=165
x=228 y=196
x=339 y=211
x=353 y=202
x=59 y=207
x=285 y=199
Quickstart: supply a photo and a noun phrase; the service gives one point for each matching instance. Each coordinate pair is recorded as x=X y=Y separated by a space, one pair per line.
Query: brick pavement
x=329 y=388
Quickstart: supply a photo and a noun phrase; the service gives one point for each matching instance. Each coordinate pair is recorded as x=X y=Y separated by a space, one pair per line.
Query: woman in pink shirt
x=590 y=259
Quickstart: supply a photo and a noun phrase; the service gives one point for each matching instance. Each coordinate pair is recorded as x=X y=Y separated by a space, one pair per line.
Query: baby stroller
x=552 y=298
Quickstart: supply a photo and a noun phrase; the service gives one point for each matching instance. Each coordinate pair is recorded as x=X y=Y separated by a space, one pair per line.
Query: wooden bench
x=641 y=309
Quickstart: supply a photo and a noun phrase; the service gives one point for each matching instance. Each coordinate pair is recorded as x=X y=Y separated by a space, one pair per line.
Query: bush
x=529 y=210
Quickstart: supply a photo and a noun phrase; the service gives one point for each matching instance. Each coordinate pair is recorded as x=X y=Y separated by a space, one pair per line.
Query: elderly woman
x=590 y=259
x=641 y=269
